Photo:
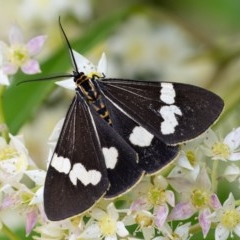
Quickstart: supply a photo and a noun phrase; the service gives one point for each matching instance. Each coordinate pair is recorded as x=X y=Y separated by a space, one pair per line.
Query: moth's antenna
x=69 y=46
x=46 y=78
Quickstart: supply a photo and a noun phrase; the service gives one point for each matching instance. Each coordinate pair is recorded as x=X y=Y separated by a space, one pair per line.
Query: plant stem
x=3 y=127
x=214 y=175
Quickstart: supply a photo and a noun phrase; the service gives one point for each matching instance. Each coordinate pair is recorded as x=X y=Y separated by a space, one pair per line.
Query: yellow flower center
x=18 y=55
x=221 y=150
x=7 y=153
x=76 y=220
x=107 y=225
x=199 y=198
x=143 y=220
x=191 y=158
x=26 y=197
x=175 y=236
x=230 y=219
x=156 y=196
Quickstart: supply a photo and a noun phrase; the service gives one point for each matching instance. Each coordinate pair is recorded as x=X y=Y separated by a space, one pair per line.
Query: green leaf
x=20 y=102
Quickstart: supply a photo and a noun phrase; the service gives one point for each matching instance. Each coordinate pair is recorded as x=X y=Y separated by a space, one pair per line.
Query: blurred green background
x=196 y=42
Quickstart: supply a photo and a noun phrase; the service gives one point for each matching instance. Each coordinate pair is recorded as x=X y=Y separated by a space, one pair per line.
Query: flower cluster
x=156 y=207
x=19 y=54
x=16 y=193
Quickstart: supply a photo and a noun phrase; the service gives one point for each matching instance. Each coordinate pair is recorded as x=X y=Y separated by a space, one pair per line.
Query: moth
x=117 y=130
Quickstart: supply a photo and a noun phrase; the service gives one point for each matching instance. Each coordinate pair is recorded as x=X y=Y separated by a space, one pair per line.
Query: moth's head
x=79 y=77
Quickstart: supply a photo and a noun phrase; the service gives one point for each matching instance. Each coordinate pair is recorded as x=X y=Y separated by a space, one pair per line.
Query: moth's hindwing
x=153 y=153
x=173 y=112
x=77 y=175
x=120 y=158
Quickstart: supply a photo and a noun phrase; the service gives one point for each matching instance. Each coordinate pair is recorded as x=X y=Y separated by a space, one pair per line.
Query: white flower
x=19 y=54
x=14 y=160
x=85 y=66
x=150 y=208
x=145 y=221
x=187 y=164
x=227 y=149
x=197 y=196
x=232 y=172
x=227 y=218
x=181 y=232
x=105 y=225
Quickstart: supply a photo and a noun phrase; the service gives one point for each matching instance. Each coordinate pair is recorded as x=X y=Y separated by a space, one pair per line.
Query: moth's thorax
x=89 y=89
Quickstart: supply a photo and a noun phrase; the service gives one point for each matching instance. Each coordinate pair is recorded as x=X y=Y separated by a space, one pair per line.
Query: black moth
x=117 y=130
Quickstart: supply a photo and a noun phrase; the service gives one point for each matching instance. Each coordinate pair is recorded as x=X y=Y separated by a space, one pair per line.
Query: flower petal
x=233 y=139
x=4 y=79
x=35 y=44
x=183 y=230
x=114 y=237
x=181 y=184
x=182 y=211
x=234 y=156
x=15 y=35
x=68 y=83
x=83 y=64
x=38 y=176
x=232 y=172
x=237 y=230
x=31 y=220
x=203 y=180
x=9 y=69
x=204 y=222
x=97 y=213
x=229 y=204
x=139 y=204
x=170 y=197
x=102 y=64
x=221 y=233
x=148 y=233
x=31 y=67
x=17 y=142
x=121 y=230
x=161 y=213
x=210 y=138
x=93 y=231
x=112 y=211
x=214 y=201
x=38 y=197
x=184 y=162
x=160 y=182
x=8 y=202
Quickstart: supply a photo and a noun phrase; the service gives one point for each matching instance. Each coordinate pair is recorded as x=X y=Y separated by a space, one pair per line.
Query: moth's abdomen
x=101 y=109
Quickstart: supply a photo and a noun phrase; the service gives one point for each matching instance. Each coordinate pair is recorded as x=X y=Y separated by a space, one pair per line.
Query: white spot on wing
x=111 y=157
x=80 y=173
x=167 y=94
x=140 y=137
x=170 y=120
x=61 y=164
